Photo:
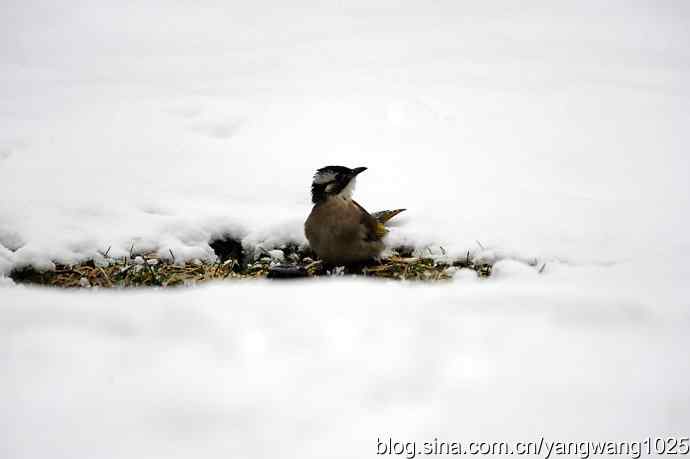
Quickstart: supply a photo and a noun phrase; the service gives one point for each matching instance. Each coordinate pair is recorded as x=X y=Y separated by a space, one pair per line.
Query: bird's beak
x=358 y=170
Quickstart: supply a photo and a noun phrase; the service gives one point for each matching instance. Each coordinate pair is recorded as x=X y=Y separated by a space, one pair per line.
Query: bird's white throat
x=346 y=193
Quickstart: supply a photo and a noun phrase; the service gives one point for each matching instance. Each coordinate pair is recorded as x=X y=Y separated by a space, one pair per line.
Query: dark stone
x=287 y=272
x=404 y=251
x=30 y=275
x=227 y=248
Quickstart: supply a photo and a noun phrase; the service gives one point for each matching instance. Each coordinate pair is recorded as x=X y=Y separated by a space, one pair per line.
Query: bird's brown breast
x=339 y=232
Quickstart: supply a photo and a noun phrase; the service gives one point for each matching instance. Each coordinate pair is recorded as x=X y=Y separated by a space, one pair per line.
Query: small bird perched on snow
x=338 y=229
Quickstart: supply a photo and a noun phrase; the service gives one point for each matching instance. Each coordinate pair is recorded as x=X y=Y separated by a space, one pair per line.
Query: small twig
x=541 y=270
x=172 y=255
x=313 y=264
x=110 y=284
x=479 y=244
x=218 y=265
x=150 y=270
x=232 y=265
x=404 y=260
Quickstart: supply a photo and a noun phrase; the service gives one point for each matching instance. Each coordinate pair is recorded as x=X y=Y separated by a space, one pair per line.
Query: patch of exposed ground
x=290 y=261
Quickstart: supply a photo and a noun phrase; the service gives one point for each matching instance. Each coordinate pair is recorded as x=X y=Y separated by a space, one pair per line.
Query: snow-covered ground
x=548 y=130
x=323 y=369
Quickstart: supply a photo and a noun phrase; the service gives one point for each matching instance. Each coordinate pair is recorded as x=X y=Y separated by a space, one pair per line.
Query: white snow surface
x=554 y=131
x=324 y=368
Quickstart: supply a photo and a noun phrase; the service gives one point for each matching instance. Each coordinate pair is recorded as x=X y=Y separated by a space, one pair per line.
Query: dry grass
x=149 y=270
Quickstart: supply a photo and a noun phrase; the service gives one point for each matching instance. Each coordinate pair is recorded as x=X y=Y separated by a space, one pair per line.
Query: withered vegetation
x=149 y=270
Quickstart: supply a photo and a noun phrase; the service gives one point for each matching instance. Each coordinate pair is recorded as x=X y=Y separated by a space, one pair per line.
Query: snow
x=547 y=132
x=324 y=368
x=542 y=132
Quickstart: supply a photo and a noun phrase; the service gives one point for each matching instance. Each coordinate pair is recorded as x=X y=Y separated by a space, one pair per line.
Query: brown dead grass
x=148 y=270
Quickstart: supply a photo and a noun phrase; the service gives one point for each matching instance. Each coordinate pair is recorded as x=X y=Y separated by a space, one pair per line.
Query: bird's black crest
x=334 y=169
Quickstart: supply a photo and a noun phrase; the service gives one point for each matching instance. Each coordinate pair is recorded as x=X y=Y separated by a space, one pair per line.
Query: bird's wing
x=374 y=228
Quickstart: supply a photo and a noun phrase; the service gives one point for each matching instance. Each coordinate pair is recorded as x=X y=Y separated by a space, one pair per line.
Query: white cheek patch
x=324 y=177
x=330 y=187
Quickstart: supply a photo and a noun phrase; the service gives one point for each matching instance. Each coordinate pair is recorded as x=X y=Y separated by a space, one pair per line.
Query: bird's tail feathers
x=384 y=215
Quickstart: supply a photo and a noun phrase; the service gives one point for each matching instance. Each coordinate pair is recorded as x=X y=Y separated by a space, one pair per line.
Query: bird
x=339 y=230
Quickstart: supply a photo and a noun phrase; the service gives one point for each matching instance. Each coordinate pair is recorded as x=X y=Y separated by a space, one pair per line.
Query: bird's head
x=334 y=181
